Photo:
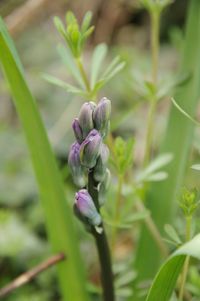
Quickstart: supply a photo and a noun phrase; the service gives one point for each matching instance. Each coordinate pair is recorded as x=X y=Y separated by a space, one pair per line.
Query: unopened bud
x=101 y=165
x=86 y=207
x=75 y=165
x=85 y=118
x=77 y=130
x=101 y=116
x=90 y=149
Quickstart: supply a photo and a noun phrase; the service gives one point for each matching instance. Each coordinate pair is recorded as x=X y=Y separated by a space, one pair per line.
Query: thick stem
x=187 y=260
x=105 y=261
x=102 y=247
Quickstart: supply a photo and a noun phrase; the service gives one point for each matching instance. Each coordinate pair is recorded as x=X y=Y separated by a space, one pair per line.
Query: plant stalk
x=153 y=229
x=117 y=211
x=155 y=25
x=83 y=74
x=102 y=246
x=187 y=260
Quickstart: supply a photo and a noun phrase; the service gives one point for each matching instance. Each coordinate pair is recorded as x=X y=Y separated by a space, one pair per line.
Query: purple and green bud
x=103 y=187
x=101 y=116
x=85 y=118
x=101 y=165
x=75 y=166
x=90 y=149
x=85 y=206
x=77 y=130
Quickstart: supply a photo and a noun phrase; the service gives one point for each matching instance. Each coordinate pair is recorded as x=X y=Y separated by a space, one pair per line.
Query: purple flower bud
x=85 y=118
x=86 y=207
x=101 y=165
x=90 y=149
x=101 y=116
x=77 y=130
x=103 y=187
x=75 y=165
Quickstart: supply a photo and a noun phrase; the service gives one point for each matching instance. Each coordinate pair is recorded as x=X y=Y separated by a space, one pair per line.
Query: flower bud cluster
x=89 y=154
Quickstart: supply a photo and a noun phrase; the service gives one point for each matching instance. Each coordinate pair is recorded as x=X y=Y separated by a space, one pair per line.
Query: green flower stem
x=102 y=247
x=187 y=260
x=83 y=74
x=152 y=229
x=117 y=210
x=155 y=25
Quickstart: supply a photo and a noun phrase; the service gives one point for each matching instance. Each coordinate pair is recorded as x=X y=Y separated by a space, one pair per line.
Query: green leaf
x=196 y=166
x=156 y=177
x=171 y=232
x=58 y=215
x=159 y=162
x=135 y=217
x=86 y=22
x=155 y=165
x=125 y=279
x=70 y=18
x=97 y=60
x=123 y=154
x=165 y=281
x=68 y=60
x=124 y=292
x=167 y=85
x=111 y=66
x=59 y=25
x=86 y=35
x=113 y=72
x=184 y=112
x=58 y=82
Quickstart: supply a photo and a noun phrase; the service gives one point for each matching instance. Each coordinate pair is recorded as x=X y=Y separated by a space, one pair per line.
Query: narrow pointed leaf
x=165 y=280
x=97 y=60
x=68 y=60
x=60 y=83
x=58 y=217
x=162 y=197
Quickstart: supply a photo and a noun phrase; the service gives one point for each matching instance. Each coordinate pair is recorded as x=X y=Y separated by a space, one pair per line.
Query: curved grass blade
x=165 y=280
x=178 y=140
x=58 y=218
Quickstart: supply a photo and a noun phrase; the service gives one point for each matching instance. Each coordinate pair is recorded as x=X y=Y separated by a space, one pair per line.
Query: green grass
x=162 y=197
x=58 y=215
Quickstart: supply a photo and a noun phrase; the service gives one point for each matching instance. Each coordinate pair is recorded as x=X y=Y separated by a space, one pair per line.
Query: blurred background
x=125 y=27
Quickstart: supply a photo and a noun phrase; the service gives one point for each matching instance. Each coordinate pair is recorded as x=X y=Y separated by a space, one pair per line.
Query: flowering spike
x=100 y=168
x=86 y=207
x=85 y=118
x=75 y=165
x=90 y=149
x=77 y=130
x=101 y=116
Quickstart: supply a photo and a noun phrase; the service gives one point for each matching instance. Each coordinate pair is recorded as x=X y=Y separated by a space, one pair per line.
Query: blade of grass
x=166 y=278
x=58 y=217
x=161 y=199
